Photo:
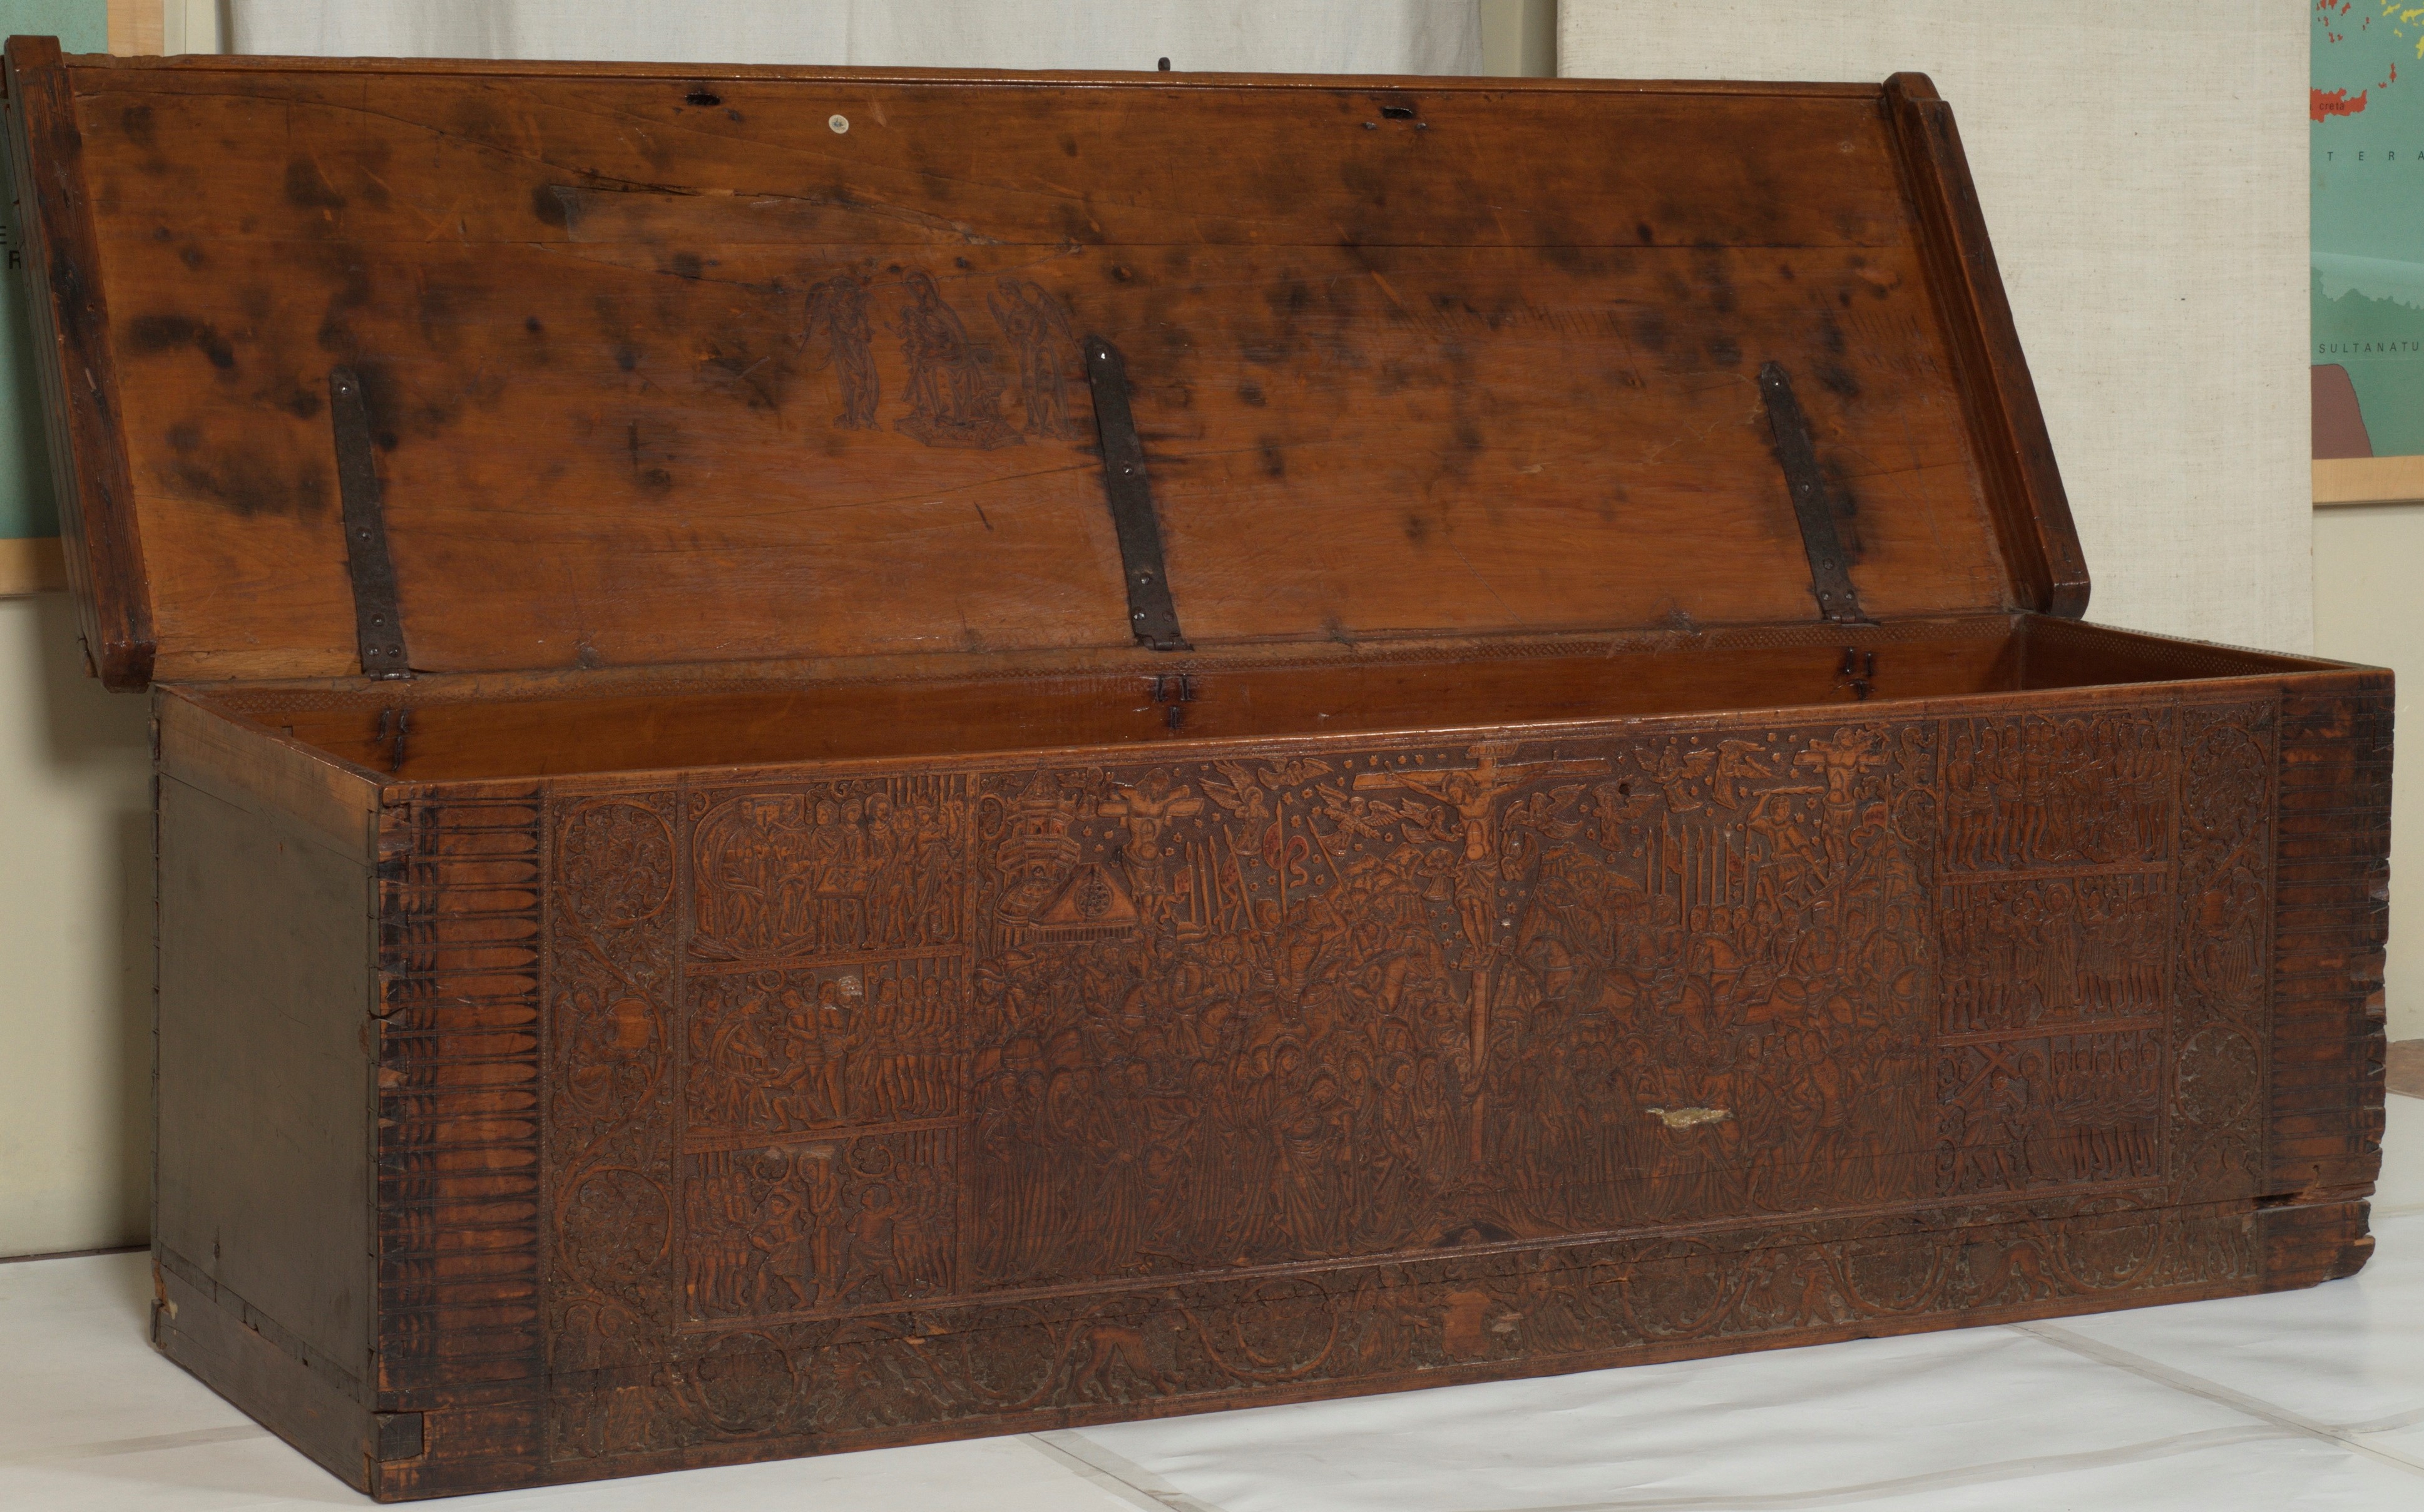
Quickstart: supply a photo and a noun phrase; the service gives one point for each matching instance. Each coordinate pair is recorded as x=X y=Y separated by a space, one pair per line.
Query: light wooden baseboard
x=2368 y=480
x=31 y=566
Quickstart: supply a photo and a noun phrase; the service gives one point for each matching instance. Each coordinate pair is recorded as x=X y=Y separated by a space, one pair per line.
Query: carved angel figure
x=1032 y=319
x=955 y=394
x=837 y=313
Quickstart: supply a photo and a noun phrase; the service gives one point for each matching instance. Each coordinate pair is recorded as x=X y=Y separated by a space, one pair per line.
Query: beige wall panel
x=2144 y=173
x=75 y=943
x=2367 y=608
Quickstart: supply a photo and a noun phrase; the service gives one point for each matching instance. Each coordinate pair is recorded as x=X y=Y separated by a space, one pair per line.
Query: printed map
x=2367 y=106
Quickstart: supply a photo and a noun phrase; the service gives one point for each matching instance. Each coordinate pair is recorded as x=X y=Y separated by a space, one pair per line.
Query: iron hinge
x=378 y=627
x=1152 y=613
x=1831 y=576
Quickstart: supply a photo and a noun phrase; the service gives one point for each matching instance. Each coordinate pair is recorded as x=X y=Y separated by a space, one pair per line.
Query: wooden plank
x=263 y=1161
x=2306 y=1244
x=459 y=1341
x=2031 y=511
x=244 y=764
x=77 y=366
x=2340 y=482
x=753 y=367
x=214 y=1335
x=2325 y=1089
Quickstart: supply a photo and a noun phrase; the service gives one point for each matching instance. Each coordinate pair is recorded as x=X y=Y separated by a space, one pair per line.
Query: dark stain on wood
x=308 y=188
x=150 y=335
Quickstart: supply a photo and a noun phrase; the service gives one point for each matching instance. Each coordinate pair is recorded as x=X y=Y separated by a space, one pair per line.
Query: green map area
x=2367 y=163
x=26 y=505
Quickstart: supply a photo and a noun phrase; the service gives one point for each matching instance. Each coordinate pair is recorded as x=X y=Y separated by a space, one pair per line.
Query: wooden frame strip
x=88 y=471
x=2015 y=456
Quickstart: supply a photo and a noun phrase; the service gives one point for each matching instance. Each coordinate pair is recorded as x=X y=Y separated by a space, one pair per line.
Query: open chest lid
x=637 y=365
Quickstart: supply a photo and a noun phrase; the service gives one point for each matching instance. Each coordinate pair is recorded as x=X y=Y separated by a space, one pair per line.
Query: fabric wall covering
x=2144 y=173
x=1257 y=36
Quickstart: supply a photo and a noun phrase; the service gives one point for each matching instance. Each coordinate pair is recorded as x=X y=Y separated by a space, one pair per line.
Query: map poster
x=29 y=522
x=2366 y=108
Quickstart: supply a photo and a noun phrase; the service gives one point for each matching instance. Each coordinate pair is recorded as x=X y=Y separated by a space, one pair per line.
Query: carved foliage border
x=614 y=920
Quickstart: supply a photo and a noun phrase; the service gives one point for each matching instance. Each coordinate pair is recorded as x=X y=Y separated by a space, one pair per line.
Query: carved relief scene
x=2057 y=911
x=788 y=1051
x=833 y=870
x=1186 y=1016
x=819 y=1225
x=1253 y=1012
x=1257 y=1012
x=1076 y=1082
x=960 y=385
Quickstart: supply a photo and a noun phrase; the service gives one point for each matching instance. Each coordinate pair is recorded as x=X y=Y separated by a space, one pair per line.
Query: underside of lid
x=658 y=368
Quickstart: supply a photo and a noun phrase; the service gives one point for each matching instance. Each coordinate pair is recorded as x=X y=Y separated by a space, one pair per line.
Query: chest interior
x=457 y=729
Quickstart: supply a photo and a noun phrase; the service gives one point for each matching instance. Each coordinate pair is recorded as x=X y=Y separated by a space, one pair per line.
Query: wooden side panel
x=459 y=1143
x=305 y=786
x=245 y=1356
x=2023 y=486
x=78 y=367
x=261 y=1208
x=2331 y=872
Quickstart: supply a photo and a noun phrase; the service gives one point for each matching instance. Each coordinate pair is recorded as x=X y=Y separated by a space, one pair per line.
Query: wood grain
x=459 y=1190
x=1001 y=1125
x=2332 y=876
x=235 y=1350
x=722 y=354
x=77 y=368
x=244 y=764
x=2023 y=485
x=262 y=1171
x=789 y=975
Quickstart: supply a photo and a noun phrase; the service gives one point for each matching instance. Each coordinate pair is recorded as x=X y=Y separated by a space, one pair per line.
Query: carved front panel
x=2056 y=912
x=991 y=1087
x=1257 y=1012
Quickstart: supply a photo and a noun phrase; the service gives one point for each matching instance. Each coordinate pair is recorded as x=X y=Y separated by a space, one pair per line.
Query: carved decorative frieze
x=889 y=1100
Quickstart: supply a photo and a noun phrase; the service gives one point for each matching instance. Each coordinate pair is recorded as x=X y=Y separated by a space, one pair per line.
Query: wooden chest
x=852 y=757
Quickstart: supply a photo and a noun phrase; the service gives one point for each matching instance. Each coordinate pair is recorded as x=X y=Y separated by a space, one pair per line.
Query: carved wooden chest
x=852 y=757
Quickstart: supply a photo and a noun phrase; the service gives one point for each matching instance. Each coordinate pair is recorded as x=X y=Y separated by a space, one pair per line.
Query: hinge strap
x=1151 y=611
x=379 y=628
x=1831 y=576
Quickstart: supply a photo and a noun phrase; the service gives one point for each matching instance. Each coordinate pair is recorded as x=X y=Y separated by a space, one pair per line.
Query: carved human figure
x=1032 y=318
x=807 y=1081
x=874 y=1252
x=954 y=395
x=836 y=315
x=840 y=1040
x=794 y=1222
x=1146 y=807
x=1473 y=795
